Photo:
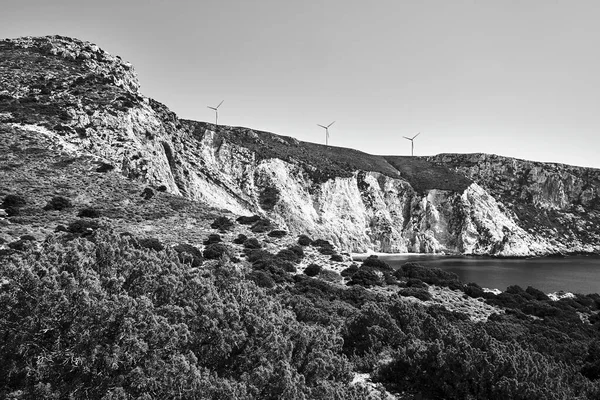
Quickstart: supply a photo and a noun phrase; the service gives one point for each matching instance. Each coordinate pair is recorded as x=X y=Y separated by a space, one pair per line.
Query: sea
x=575 y=274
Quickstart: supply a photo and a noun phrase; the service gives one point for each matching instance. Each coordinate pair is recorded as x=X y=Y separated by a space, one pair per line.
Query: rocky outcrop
x=90 y=101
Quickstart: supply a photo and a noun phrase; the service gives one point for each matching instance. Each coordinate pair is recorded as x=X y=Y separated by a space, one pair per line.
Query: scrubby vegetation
x=107 y=317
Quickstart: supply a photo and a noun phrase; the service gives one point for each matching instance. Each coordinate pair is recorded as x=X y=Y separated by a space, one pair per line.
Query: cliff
x=75 y=94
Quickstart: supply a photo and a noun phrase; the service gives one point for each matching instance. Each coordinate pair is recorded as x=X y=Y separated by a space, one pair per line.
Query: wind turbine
x=412 y=143
x=216 y=112
x=326 y=132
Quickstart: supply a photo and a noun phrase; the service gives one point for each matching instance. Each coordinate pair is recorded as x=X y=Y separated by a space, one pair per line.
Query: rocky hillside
x=73 y=94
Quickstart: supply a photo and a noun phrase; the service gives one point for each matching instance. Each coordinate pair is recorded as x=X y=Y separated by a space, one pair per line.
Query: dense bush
x=222 y=223
x=58 y=203
x=351 y=270
x=268 y=197
x=304 y=240
x=277 y=233
x=244 y=220
x=324 y=247
x=104 y=167
x=375 y=263
x=298 y=250
x=432 y=276
x=151 y=243
x=367 y=278
x=313 y=270
x=214 y=251
x=13 y=201
x=288 y=255
x=261 y=226
x=188 y=253
x=336 y=258
x=83 y=227
x=252 y=244
x=240 y=239
x=417 y=292
x=212 y=238
x=262 y=279
x=89 y=212
x=104 y=320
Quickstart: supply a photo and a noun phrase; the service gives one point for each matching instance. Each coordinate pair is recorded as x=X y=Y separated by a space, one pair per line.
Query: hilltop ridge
x=75 y=95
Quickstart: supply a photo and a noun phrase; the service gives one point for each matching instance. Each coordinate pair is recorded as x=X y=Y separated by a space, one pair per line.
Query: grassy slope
x=35 y=167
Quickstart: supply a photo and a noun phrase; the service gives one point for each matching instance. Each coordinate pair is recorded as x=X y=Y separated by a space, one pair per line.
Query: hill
x=70 y=92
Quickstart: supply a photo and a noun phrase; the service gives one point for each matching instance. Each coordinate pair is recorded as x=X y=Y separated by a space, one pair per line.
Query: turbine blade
x=212 y=108
x=220 y=103
x=331 y=124
x=324 y=127
x=416 y=135
x=407 y=138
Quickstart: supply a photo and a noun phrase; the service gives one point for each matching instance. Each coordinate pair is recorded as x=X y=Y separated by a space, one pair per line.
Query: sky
x=514 y=78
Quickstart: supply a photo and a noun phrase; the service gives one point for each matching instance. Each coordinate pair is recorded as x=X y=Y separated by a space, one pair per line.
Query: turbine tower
x=412 y=143
x=326 y=132
x=216 y=112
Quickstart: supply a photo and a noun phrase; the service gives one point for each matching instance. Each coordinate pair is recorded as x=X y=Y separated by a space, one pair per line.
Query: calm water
x=579 y=274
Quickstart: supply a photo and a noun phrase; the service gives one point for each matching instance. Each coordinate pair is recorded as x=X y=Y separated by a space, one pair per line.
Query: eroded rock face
x=89 y=100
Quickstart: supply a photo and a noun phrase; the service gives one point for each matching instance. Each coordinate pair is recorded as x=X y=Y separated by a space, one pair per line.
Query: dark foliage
x=415 y=283
x=277 y=233
x=240 y=239
x=89 y=212
x=262 y=279
x=288 y=255
x=304 y=240
x=214 y=251
x=418 y=292
x=351 y=270
x=261 y=226
x=324 y=247
x=244 y=220
x=147 y=193
x=13 y=201
x=298 y=250
x=83 y=227
x=104 y=167
x=223 y=224
x=252 y=243
x=58 y=203
x=151 y=243
x=375 y=263
x=432 y=276
x=313 y=270
x=366 y=277
x=162 y=188
x=337 y=258
x=213 y=238
x=268 y=197
x=189 y=254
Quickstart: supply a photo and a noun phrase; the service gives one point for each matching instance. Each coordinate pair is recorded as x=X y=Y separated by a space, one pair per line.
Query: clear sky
x=515 y=78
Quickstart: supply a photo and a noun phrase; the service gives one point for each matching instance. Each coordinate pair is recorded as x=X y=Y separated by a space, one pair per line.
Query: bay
x=576 y=274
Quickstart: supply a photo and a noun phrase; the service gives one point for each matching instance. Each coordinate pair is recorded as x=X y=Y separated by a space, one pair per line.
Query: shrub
x=268 y=197
x=375 y=263
x=313 y=270
x=351 y=270
x=298 y=250
x=214 y=251
x=252 y=243
x=304 y=240
x=223 y=224
x=104 y=167
x=473 y=290
x=240 y=239
x=419 y=293
x=82 y=227
x=277 y=233
x=89 y=212
x=29 y=238
x=187 y=252
x=162 y=188
x=262 y=225
x=151 y=243
x=20 y=245
x=537 y=294
x=288 y=255
x=147 y=193
x=366 y=278
x=337 y=258
x=244 y=220
x=213 y=238
x=432 y=276
x=58 y=203
x=13 y=201
x=261 y=278
x=416 y=283
x=330 y=276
